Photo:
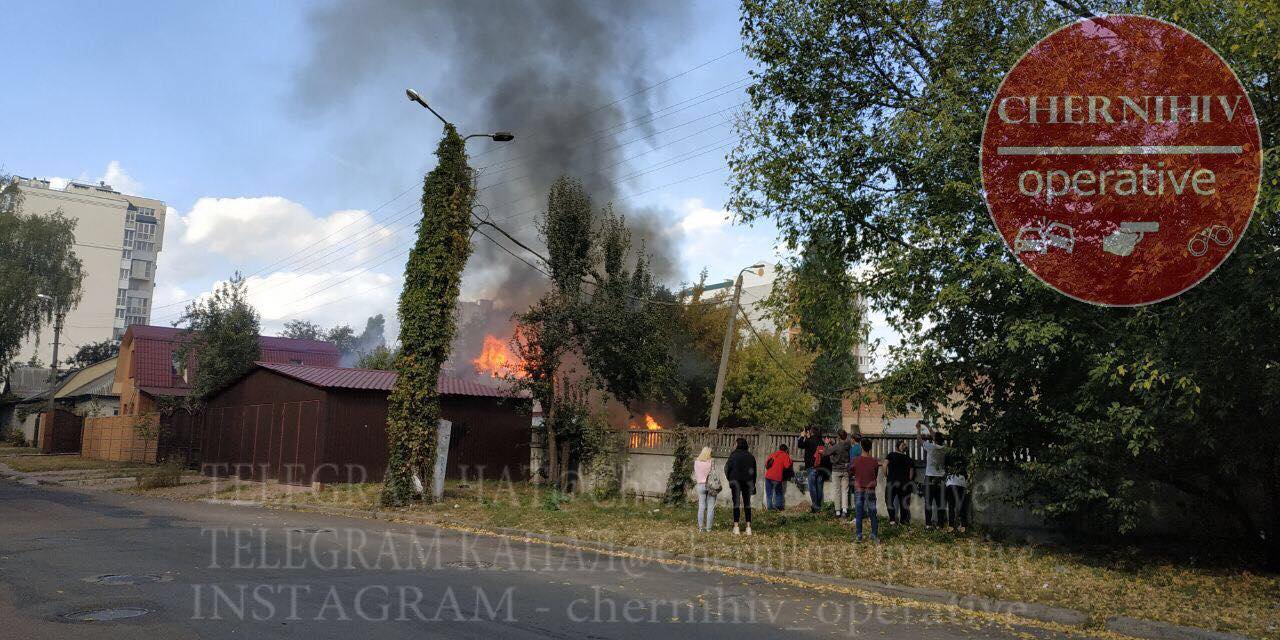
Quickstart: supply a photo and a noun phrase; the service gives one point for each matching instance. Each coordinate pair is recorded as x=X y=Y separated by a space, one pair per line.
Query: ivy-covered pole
x=432 y=280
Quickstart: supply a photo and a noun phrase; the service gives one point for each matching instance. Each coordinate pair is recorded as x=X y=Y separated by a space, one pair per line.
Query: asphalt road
x=236 y=572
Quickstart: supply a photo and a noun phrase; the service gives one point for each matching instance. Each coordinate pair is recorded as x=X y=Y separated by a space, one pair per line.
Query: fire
x=497 y=360
x=649 y=423
x=646 y=440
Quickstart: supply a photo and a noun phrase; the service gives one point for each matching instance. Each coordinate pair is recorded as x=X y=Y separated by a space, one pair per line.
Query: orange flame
x=649 y=423
x=497 y=360
x=646 y=440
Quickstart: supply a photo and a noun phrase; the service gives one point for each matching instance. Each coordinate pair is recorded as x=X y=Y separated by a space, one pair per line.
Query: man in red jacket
x=865 y=470
x=777 y=468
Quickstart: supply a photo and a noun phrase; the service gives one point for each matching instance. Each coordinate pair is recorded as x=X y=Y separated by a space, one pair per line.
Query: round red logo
x=1121 y=160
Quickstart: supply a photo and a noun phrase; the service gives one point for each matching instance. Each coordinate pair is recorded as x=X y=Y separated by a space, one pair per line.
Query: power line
x=650 y=87
x=669 y=110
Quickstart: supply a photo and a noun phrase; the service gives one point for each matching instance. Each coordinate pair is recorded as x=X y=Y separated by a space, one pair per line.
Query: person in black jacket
x=740 y=473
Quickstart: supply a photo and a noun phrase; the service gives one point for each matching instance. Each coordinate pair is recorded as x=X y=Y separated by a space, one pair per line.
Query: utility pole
x=727 y=347
x=58 y=317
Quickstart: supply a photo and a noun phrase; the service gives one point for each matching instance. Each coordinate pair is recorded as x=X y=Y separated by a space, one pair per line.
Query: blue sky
x=197 y=104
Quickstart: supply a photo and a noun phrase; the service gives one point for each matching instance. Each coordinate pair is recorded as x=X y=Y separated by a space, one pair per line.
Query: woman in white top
x=706 y=499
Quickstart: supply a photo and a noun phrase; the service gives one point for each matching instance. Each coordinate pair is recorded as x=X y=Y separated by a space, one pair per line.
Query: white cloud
x=267 y=229
x=326 y=298
x=115 y=177
x=120 y=180
x=709 y=240
x=698 y=217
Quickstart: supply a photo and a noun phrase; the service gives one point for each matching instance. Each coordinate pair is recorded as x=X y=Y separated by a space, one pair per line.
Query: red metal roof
x=329 y=377
x=153 y=349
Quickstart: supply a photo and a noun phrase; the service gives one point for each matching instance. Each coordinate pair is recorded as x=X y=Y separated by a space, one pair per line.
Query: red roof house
x=148 y=367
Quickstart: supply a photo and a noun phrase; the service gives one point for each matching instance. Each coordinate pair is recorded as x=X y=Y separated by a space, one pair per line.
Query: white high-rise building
x=118 y=237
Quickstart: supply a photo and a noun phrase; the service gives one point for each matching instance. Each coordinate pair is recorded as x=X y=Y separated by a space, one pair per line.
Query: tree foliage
x=765 y=385
x=865 y=121
x=220 y=340
x=696 y=327
x=94 y=352
x=37 y=257
x=819 y=296
x=598 y=313
x=302 y=330
x=433 y=277
x=380 y=358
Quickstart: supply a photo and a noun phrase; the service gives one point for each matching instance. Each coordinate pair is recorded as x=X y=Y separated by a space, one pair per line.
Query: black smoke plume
x=568 y=77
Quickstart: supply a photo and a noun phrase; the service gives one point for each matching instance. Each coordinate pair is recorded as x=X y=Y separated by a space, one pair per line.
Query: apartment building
x=118 y=237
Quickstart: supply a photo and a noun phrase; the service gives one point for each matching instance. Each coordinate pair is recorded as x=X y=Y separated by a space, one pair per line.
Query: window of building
x=146 y=230
x=120 y=297
x=139 y=245
x=143 y=268
x=124 y=274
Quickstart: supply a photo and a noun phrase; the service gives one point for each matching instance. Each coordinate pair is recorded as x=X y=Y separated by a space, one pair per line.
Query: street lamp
x=728 y=345
x=496 y=136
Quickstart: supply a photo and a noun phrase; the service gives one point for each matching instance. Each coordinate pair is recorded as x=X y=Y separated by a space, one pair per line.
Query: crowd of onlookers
x=854 y=471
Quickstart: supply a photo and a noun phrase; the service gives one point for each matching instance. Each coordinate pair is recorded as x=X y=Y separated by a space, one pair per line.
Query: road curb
x=1151 y=630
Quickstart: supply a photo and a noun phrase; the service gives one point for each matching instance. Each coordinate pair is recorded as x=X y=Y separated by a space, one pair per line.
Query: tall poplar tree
x=431 y=283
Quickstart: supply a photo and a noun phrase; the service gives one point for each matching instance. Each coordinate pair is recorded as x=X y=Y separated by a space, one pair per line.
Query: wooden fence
x=116 y=438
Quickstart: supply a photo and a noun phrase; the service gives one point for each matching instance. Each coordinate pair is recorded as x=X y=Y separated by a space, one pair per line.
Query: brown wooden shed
x=301 y=424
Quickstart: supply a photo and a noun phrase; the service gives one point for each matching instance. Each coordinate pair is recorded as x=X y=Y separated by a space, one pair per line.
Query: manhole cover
x=105 y=615
x=469 y=564
x=308 y=530
x=126 y=578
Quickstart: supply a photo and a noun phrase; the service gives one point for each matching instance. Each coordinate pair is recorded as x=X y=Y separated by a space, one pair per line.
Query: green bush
x=553 y=498
x=14 y=437
x=168 y=474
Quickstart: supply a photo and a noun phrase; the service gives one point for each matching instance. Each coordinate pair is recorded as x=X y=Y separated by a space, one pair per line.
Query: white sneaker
x=748 y=529
x=735 y=529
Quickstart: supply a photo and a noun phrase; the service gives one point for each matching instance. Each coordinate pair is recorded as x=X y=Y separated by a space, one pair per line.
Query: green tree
x=220 y=338
x=680 y=480
x=866 y=118
x=302 y=330
x=37 y=258
x=343 y=337
x=600 y=310
x=549 y=330
x=380 y=358
x=432 y=277
x=819 y=296
x=765 y=385
x=94 y=352
x=696 y=328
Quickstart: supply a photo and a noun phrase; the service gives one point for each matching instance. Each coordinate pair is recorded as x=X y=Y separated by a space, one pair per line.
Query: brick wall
x=116 y=438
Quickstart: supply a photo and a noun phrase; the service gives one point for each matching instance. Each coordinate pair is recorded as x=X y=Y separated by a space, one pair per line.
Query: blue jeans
x=815 y=488
x=775 y=492
x=706 y=506
x=864 y=505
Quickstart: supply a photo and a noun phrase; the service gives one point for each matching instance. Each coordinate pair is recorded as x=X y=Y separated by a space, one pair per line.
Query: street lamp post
x=728 y=345
x=496 y=136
